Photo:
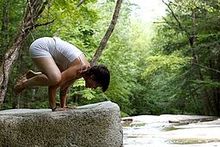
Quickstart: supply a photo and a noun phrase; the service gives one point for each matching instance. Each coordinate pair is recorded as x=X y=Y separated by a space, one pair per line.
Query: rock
x=126 y=121
x=95 y=125
x=184 y=119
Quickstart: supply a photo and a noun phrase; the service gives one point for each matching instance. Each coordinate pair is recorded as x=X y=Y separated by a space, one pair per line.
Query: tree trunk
x=4 y=38
x=33 y=10
x=108 y=33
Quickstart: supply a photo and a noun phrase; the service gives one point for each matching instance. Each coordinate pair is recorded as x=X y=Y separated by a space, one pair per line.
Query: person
x=60 y=64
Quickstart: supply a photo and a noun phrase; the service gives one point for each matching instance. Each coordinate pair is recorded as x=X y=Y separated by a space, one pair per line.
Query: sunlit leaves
x=187 y=19
x=166 y=63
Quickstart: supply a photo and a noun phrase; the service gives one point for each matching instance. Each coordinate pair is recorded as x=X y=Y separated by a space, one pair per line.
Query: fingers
x=84 y=68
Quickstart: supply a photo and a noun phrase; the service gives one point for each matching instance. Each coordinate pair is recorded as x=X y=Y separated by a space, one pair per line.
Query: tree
x=66 y=13
x=33 y=10
x=187 y=22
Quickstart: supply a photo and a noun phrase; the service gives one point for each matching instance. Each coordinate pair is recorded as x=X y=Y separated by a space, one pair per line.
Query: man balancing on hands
x=60 y=64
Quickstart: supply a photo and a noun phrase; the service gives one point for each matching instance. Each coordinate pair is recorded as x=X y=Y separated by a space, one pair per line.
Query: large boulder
x=95 y=125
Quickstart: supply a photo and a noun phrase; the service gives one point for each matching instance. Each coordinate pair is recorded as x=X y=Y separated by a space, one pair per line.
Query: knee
x=55 y=79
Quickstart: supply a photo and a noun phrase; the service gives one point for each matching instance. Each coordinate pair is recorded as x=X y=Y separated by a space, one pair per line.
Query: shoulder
x=75 y=66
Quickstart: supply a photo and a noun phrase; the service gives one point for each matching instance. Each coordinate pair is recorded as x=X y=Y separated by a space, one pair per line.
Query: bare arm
x=52 y=96
x=63 y=97
x=69 y=76
x=63 y=93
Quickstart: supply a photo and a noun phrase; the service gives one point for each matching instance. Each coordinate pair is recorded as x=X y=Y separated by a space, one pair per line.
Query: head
x=97 y=76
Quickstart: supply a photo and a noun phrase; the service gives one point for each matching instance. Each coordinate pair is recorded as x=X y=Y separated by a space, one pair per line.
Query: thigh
x=48 y=67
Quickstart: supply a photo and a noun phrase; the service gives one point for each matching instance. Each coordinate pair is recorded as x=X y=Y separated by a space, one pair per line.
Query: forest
x=170 y=66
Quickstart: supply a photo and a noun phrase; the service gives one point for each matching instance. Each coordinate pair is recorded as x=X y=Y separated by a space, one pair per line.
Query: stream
x=171 y=131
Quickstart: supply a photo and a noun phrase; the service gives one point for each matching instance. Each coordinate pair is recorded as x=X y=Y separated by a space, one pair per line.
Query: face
x=91 y=83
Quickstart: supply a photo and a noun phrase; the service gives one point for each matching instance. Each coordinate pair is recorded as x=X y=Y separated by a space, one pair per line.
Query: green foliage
x=164 y=63
x=152 y=66
x=195 y=19
x=10 y=14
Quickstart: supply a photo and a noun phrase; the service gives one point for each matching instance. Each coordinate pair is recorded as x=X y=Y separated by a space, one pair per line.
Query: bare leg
x=39 y=80
x=50 y=75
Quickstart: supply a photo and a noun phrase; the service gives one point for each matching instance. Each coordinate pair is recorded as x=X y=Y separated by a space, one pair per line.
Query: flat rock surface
x=95 y=125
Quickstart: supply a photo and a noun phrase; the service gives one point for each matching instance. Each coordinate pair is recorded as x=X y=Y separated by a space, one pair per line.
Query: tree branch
x=108 y=33
x=33 y=10
x=177 y=20
x=37 y=25
x=208 y=68
x=80 y=3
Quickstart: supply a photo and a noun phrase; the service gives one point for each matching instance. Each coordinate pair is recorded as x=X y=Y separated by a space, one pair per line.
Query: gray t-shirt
x=61 y=51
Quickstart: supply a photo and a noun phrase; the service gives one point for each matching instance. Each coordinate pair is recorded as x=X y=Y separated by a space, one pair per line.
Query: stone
x=94 y=125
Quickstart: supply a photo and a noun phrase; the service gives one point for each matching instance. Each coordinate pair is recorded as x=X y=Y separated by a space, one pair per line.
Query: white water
x=156 y=131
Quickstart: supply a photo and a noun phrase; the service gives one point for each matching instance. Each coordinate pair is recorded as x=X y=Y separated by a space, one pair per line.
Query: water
x=171 y=131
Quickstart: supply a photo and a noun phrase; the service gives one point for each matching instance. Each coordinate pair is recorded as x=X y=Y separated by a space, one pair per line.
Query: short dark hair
x=100 y=74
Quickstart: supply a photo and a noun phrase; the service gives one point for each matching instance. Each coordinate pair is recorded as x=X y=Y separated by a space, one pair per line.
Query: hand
x=84 y=68
x=59 y=109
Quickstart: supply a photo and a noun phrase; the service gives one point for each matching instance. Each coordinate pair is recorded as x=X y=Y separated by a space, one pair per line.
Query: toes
x=31 y=74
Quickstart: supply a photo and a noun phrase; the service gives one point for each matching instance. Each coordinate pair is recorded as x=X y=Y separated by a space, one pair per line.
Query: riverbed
x=171 y=131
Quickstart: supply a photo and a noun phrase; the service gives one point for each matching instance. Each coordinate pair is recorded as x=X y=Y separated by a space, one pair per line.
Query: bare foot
x=31 y=73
